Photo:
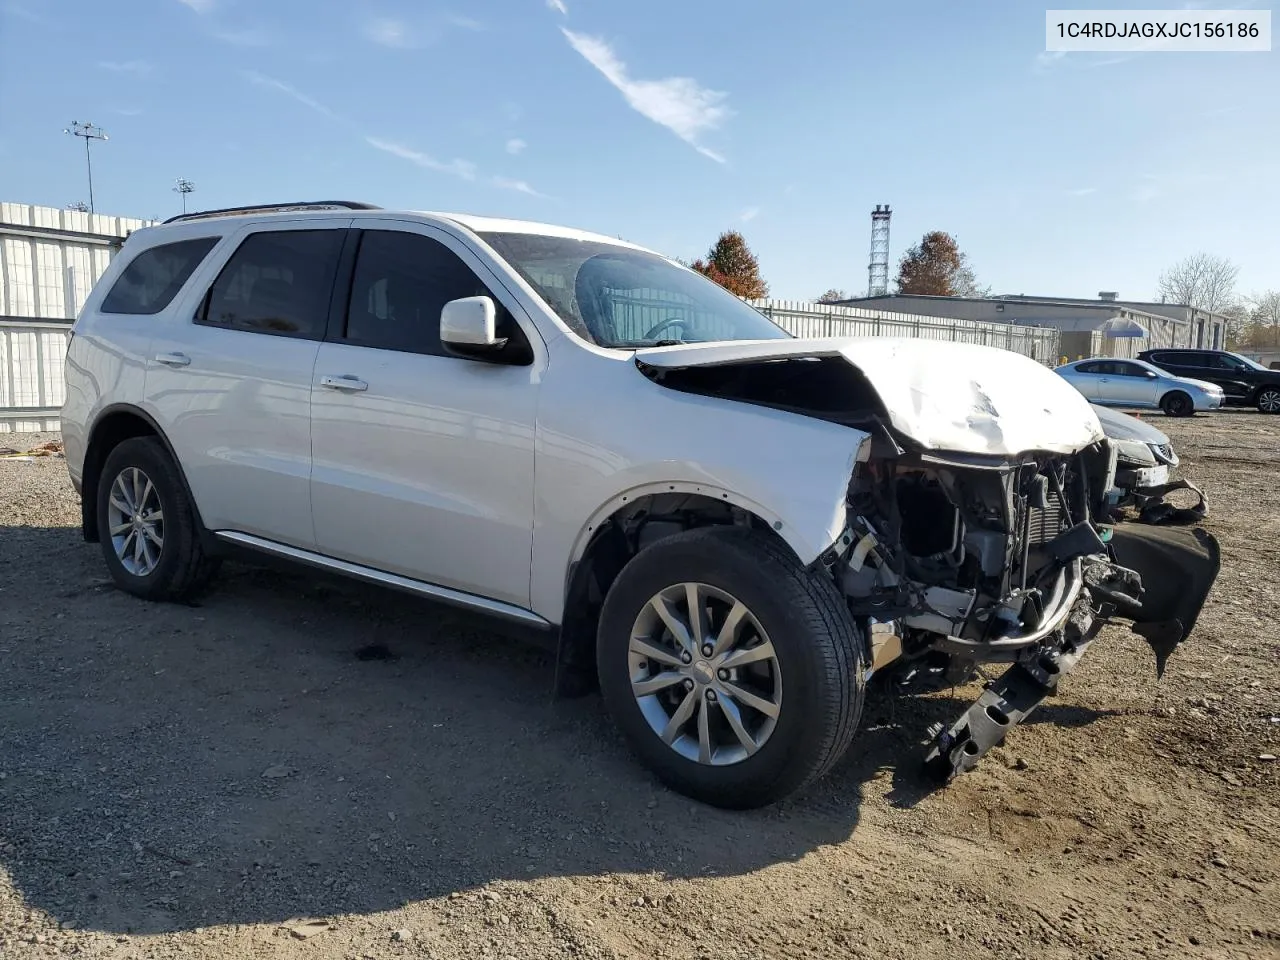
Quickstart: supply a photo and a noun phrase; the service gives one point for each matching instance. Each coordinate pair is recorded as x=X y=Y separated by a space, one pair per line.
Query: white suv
x=732 y=529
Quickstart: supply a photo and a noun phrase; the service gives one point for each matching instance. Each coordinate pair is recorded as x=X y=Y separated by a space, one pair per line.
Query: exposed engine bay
x=951 y=560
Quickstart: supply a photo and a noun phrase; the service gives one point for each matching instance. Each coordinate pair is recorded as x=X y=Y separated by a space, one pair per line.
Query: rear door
x=423 y=462
x=231 y=381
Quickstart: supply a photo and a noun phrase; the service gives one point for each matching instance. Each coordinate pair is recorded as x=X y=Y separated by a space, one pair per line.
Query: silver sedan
x=1135 y=383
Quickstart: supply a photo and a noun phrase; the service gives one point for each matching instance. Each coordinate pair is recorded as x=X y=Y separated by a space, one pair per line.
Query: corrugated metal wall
x=50 y=258
x=49 y=261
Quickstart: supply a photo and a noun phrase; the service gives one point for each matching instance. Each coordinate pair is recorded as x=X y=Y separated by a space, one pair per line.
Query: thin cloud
x=387 y=32
x=515 y=146
x=558 y=6
x=464 y=23
x=463 y=169
x=680 y=104
x=749 y=214
x=136 y=67
x=1082 y=191
x=199 y=6
x=22 y=13
x=251 y=37
x=289 y=90
x=519 y=186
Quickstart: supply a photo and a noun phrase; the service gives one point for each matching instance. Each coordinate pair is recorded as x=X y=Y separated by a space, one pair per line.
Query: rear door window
x=153 y=278
x=277 y=282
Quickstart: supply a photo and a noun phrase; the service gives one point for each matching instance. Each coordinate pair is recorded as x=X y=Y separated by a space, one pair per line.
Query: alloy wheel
x=136 y=521
x=705 y=674
x=1269 y=402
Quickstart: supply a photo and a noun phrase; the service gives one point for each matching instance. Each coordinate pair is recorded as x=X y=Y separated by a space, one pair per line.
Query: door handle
x=346 y=383
x=173 y=359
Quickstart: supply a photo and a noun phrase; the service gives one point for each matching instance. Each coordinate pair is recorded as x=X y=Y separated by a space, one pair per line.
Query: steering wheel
x=669 y=322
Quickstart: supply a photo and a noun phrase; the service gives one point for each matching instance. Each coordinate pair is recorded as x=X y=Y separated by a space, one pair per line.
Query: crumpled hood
x=948 y=397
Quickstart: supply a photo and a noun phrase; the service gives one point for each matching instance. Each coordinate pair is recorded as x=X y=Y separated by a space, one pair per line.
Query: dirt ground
x=231 y=780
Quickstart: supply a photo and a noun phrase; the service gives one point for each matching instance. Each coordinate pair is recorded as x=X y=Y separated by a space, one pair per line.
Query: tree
x=1202 y=280
x=936 y=267
x=1263 y=326
x=833 y=296
x=731 y=264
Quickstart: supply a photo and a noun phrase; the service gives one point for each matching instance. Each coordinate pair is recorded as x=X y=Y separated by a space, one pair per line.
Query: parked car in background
x=1136 y=383
x=1144 y=462
x=1244 y=382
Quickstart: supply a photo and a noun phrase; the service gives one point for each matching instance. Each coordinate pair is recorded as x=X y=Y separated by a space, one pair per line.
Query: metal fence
x=806 y=319
x=31 y=379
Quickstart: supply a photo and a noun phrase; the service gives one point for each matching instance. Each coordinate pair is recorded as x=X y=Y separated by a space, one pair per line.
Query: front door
x=1130 y=384
x=423 y=462
x=231 y=380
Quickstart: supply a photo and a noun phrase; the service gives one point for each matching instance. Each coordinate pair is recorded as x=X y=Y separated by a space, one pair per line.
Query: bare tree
x=833 y=296
x=1264 y=323
x=1202 y=280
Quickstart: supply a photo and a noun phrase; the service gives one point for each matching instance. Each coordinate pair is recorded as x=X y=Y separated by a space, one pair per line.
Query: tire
x=1177 y=404
x=181 y=568
x=818 y=659
x=1269 y=400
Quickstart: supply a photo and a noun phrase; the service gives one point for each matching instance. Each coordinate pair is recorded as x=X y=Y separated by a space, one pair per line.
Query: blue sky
x=665 y=122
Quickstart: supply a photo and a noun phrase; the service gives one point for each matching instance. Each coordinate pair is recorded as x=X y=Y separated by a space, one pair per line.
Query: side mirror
x=468 y=328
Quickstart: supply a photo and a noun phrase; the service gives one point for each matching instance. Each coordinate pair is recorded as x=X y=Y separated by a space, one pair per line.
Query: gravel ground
x=231 y=780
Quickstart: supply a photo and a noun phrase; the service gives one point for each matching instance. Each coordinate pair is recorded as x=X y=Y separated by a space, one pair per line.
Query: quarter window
x=277 y=282
x=153 y=278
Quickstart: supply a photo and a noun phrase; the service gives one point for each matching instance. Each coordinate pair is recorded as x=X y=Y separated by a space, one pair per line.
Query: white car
x=1138 y=384
x=729 y=528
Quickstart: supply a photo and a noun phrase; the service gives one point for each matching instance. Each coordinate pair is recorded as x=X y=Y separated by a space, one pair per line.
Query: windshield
x=614 y=296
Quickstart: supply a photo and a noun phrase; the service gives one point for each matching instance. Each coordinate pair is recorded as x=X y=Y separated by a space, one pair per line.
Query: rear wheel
x=734 y=673
x=1269 y=400
x=1177 y=404
x=147 y=526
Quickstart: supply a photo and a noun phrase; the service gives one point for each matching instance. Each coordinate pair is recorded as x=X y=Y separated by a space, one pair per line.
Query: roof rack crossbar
x=276 y=208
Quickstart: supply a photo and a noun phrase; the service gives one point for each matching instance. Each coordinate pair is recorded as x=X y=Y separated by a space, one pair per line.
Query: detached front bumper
x=1156 y=578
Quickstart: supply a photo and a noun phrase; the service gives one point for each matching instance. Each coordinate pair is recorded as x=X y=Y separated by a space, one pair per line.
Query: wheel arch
x=112 y=426
x=615 y=533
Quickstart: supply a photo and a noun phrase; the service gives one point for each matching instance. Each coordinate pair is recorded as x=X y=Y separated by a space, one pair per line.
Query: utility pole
x=184 y=186
x=88 y=132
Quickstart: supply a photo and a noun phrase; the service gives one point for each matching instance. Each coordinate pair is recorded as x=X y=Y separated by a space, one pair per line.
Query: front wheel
x=735 y=674
x=1177 y=404
x=1269 y=400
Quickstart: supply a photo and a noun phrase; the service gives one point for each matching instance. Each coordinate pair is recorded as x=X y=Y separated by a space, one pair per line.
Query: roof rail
x=276 y=208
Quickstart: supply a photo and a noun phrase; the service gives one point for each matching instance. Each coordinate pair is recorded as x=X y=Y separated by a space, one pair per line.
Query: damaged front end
x=957 y=561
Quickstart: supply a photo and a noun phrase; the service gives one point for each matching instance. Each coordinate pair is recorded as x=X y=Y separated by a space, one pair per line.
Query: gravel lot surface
x=231 y=780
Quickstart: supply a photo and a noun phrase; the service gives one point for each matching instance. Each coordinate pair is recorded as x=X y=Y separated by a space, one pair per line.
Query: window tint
x=1089 y=367
x=277 y=282
x=154 y=277
x=1224 y=361
x=1130 y=370
x=402 y=282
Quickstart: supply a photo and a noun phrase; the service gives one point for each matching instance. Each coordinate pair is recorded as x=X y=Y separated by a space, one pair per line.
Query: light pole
x=88 y=132
x=184 y=186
